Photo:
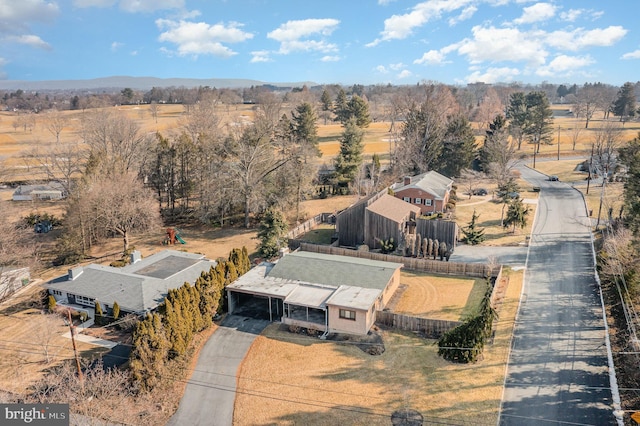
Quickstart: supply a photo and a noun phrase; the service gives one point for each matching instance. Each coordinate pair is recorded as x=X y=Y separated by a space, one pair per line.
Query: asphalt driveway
x=210 y=393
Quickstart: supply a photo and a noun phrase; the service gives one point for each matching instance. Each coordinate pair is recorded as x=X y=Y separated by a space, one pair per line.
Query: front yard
x=289 y=379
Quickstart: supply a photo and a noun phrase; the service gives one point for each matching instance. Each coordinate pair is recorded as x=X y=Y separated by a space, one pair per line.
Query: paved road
x=211 y=390
x=558 y=368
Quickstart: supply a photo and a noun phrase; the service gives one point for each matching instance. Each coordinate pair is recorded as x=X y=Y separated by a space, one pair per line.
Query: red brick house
x=429 y=190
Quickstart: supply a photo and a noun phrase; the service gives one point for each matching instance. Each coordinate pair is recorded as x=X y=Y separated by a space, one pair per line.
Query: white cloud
x=466 y=13
x=581 y=38
x=432 y=57
x=563 y=65
x=133 y=53
x=385 y=2
x=260 y=56
x=30 y=40
x=116 y=45
x=631 y=55
x=572 y=14
x=536 y=13
x=330 y=58
x=396 y=67
x=404 y=74
x=16 y=16
x=195 y=38
x=493 y=75
x=399 y=27
x=295 y=35
x=381 y=69
x=502 y=44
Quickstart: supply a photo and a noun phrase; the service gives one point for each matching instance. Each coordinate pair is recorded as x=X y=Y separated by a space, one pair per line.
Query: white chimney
x=75 y=273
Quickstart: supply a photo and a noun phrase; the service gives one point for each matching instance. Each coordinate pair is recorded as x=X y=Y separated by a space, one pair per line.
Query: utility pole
x=534 y=156
x=75 y=350
x=604 y=183
x=589 y=175
x=558 y=143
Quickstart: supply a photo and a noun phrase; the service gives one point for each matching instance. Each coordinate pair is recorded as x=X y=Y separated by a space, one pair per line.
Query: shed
x=387 y=217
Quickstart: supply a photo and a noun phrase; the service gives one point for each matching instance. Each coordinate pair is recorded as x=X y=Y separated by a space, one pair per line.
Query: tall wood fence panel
x=476 y=270
x=441 y=230
x=430 y=327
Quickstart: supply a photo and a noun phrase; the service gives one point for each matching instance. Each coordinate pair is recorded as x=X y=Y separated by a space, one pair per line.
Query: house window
x=407 y=199
x=347 y=314
x=85 y=300
x=418 y=201
x=56 y=292
x=427 y=202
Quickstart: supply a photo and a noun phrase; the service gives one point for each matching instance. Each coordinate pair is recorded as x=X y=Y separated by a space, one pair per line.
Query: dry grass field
x=439 y=297
x=288 y=379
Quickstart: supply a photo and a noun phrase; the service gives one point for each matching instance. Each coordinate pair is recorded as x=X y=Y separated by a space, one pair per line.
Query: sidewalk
x=89 y=339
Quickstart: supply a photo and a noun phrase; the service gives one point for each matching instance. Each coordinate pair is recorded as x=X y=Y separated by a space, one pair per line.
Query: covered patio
x=305 y=307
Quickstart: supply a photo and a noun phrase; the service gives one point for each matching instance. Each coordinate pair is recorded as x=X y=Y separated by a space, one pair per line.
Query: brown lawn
x=439 y=297
x=288 y=379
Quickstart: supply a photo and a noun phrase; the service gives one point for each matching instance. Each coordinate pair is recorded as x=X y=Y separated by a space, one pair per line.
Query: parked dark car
x=479 y=191
x=512 y=194
x=553 y=178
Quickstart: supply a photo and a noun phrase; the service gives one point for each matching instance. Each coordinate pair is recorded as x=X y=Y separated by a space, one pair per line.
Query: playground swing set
x=173 y=237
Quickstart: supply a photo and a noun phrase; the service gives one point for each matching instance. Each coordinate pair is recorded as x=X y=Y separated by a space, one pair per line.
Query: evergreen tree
x=517 y=116
x=232 y=273
x=246 y=260
x=516 y=214
x=99 y=313
x=51 y=303
x=539 y=120
x=271 y=233
x=149 y=352
x=305 y=130
x=624 y=106
x=357 y=108
x=459 y=147
x=473 y=234
x=116 y=310
x=340 y=106
x=349 y=160
x=630 y=156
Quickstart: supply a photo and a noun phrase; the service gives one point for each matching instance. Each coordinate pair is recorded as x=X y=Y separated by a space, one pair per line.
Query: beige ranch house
x=329 y=293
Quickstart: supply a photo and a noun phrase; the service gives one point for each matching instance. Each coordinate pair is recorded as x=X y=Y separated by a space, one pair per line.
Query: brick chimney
x=407 y=180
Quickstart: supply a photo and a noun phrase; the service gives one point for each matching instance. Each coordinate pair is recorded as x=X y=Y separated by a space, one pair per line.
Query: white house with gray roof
x=320 y=291
x=138 y=287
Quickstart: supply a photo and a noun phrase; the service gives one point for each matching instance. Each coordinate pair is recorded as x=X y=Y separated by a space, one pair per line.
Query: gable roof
x=317 y=280
x=137 y=287
x=393 y=208
x=334 y=270
x=432 y=182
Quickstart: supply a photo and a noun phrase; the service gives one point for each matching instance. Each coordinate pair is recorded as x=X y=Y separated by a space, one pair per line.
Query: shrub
x=51 y=303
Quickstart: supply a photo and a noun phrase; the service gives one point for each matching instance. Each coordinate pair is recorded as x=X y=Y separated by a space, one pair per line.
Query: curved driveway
x=558 y=370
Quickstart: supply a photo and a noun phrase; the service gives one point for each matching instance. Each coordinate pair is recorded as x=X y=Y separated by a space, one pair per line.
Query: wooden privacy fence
x=441 y=230
x=307 y=226
x=476 y=270
x=430 y=327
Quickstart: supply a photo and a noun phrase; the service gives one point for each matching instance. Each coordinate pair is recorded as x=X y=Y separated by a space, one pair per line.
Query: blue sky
x=327 y=41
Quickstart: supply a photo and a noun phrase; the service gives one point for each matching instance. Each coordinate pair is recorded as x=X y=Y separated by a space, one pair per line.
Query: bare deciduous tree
x=55 y=123
x=115 y=142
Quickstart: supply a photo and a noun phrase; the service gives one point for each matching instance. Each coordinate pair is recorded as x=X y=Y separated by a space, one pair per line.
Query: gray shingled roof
x=138 y=287
x=432 y=182
x=334 y=270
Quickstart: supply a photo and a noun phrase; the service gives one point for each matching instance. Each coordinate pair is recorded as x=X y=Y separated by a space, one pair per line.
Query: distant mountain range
x=138 y=83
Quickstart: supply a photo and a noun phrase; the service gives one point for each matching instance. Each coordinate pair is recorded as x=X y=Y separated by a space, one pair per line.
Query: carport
x=258 y=296
x=254 y=305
